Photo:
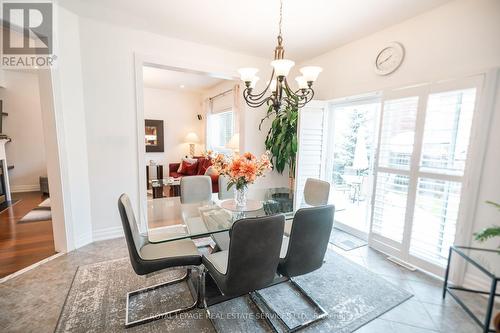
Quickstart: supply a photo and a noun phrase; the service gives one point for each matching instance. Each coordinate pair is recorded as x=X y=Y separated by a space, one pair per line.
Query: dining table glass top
x=169 y=219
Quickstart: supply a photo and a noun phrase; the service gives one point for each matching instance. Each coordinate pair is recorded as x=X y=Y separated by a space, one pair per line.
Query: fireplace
x=3 y=197
x=4 y=174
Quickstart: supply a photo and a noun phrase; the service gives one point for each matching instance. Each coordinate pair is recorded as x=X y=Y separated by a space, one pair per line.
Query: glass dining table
x=169 y=219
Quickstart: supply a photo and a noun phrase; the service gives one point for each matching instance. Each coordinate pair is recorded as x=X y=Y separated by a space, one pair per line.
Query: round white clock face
x=389 y=58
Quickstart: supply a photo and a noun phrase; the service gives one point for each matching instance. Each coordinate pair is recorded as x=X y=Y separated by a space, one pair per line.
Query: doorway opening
x=26 y=228
x=181 y=114
x=352 y=157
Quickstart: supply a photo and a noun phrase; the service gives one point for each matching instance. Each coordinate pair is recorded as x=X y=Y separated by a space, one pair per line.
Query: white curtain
x=229 y=101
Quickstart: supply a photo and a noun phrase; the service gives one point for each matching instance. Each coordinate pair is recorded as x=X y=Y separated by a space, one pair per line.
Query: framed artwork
x=153 y=135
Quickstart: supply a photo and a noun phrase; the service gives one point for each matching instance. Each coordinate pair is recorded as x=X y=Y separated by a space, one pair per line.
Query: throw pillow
x=189 y=169
x=203 y=164
x=189 y=160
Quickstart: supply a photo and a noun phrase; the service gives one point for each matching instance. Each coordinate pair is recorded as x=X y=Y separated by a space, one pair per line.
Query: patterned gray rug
x=345 y=241
x=351 y=294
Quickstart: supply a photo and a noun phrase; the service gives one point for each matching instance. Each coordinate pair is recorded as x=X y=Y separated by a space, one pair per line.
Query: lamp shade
x=234 y=142
x=302 y=82
x=311 y=73
x=282 y=66
x=192 y=137
x=254 y=82
x=247 y=74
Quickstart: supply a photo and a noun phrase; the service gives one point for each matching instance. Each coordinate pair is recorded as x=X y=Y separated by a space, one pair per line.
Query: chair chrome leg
x=158 y=316
x=322 y=313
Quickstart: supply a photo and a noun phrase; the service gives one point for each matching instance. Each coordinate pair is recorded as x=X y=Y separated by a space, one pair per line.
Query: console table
x=153 y=172
x=157 y=185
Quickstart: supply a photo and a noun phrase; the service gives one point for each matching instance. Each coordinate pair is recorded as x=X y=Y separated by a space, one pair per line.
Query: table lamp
x=192 y=139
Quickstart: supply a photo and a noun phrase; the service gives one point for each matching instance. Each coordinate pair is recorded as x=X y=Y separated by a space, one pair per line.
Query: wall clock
x=389 y=58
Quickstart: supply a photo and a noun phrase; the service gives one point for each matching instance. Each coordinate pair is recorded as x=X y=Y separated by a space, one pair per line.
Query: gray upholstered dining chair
x=224 y=193
x=304 y=252
x=221 y=239
x=316 y=193
x=251 y=261
x=147 y=258
x=196 y=189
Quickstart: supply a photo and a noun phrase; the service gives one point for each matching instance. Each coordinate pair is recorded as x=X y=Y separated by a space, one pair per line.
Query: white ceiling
x=173 y=80
x=310 y=27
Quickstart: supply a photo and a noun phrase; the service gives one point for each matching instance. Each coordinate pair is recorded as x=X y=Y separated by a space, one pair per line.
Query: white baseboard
x=476 y=282
x=107 y=233
x=24 y=188
x=83 y=240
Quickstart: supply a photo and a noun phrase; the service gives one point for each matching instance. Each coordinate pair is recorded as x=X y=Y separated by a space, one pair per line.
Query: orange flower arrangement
x=242 y=169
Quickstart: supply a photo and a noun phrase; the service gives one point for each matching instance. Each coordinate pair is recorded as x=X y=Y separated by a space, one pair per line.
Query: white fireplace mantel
x=3 y=158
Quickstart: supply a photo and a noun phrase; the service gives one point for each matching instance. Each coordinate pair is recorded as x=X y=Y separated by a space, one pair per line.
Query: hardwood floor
x=23 y=244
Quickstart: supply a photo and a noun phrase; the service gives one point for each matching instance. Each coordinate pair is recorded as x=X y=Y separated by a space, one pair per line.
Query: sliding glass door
x=419 y=173
x=350 y=162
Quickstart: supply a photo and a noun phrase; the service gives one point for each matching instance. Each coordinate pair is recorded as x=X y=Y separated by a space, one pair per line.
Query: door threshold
x=29 y=268
x=402 y=263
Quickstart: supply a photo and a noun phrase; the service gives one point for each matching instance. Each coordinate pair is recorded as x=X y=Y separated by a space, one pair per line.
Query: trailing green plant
x=281 y=140
x=490 y=232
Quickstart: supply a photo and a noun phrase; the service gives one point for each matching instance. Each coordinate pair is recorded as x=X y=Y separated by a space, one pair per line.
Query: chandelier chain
x=281 y=17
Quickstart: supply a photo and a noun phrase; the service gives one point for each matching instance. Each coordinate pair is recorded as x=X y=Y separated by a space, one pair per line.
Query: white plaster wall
x=21 y=100
x=459 y=38
x=178 y=110
x=61 y=93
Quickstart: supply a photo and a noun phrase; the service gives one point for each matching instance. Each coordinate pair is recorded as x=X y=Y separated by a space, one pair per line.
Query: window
x=398 y=131
x=220 y=129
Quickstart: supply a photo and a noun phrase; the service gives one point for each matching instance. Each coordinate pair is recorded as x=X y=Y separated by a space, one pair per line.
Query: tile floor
x=32 y=301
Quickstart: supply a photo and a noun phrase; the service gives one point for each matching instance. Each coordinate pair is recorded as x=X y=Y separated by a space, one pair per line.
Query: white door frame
x=141 y=60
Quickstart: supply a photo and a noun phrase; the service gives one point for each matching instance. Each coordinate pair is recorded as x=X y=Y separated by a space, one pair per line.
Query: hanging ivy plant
x=281 y=140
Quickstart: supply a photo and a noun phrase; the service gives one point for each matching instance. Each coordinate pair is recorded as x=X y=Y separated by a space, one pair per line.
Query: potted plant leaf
x=281 y=140
x=491 y=232
x=484 y=235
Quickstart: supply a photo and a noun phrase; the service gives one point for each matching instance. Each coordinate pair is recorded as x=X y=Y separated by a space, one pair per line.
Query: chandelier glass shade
x=280 y=93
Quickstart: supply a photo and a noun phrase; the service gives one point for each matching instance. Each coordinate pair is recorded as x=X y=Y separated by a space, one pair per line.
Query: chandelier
x=281 y=94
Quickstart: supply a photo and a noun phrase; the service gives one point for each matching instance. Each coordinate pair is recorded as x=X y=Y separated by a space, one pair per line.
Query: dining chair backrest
x=254 y=250
x=316 y=192
x=196 y=189
x=135 y=241
x=223 y=191
x=308 y=240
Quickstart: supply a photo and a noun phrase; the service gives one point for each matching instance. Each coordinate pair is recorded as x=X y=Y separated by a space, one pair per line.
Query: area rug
x=345 y=240
x=351 y=294
x=36 y=215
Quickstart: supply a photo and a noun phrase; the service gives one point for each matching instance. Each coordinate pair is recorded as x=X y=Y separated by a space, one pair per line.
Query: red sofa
x=202 y=165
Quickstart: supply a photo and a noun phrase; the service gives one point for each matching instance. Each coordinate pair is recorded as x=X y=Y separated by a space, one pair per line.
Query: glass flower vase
x=240 y=196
